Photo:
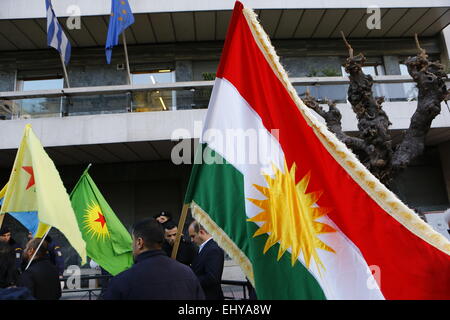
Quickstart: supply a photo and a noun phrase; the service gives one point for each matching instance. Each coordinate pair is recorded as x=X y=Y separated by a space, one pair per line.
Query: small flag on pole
x=35 y=185
x=107 y=240
x=55 y=34
x=29 y=219
x=121 y=18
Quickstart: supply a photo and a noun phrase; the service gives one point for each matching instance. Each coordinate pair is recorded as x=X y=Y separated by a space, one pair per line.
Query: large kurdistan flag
x=107 y=241
x=307 y=220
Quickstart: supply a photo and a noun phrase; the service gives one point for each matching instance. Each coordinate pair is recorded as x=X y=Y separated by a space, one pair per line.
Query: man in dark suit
x=41 y=277
x=154 y=276
x=208 y=265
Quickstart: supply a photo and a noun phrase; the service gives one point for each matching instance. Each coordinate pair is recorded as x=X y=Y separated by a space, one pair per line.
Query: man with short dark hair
x=186 y=250
x=208 y=265
x=154 y=275
x=41 y=277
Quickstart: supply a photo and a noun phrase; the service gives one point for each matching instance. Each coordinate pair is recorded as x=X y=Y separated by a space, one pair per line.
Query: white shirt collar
x=203 y=244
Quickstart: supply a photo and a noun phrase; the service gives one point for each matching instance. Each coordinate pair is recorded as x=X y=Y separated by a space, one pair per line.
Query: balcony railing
x=171 y=96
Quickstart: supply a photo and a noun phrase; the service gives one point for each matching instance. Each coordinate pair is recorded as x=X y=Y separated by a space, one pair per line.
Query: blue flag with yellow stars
x=120 y=19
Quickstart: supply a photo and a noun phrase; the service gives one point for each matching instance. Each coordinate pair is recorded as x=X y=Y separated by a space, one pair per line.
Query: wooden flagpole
x=180 y=230
x=126 y=56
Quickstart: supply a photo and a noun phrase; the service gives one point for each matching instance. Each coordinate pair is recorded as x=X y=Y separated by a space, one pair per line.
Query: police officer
x=163 y=217
x=55 y=255
x=5 y=236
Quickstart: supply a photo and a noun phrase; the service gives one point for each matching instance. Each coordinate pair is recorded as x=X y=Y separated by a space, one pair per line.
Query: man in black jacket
x=187 y=251
x=154 y=276
x=208 y=265
x=5 y=236
x=41 y=277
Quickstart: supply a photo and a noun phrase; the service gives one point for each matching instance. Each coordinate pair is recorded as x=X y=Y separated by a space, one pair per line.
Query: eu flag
x=120 y=19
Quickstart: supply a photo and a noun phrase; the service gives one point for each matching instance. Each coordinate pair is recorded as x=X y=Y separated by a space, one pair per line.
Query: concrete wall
x=422 y=184
x=7 y=80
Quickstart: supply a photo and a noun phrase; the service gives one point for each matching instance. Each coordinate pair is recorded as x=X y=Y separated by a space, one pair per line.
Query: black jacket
x=42 y=279
x=208 y=266
x=155 y=276
x=18 y=250
x=8 y=270
x=187 y=251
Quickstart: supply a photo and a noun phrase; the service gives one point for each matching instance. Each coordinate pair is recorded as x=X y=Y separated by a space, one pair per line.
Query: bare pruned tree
x=373 y=143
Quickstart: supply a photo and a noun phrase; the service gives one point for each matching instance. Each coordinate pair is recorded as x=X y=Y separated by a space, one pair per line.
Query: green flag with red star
x=107 y=241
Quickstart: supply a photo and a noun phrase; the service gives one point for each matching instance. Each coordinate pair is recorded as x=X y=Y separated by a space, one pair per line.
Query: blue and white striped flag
x=55 y=34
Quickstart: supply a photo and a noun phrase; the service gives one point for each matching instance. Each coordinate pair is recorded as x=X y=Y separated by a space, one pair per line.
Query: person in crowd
x=8 y=270
x=187 y=251
x=104 y=280
x=163 y=217
x=5 y=236
x=154 y=276
x=208 y=265
x=41 y=277
x=55 y=255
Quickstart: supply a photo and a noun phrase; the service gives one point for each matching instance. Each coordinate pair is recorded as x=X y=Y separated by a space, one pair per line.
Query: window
x=39 y=107
x=411 y=91
x=157 y=100
x=152 y=77
x=40 y=84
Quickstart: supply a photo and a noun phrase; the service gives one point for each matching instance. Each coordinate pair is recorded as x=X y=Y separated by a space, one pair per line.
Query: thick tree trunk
x=373 y=145
x=430 y=78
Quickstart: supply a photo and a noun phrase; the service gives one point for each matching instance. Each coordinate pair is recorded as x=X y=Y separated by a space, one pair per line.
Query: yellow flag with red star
x=35 y=185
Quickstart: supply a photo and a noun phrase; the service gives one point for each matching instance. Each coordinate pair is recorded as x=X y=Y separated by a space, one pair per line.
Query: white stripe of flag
x=53 y=29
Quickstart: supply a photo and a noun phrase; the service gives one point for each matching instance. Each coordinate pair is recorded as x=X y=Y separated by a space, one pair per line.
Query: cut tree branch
x=430 y=78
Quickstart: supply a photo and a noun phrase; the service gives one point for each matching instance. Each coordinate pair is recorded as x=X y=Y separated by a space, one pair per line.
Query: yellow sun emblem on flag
x=290 y=216
x=95 y=223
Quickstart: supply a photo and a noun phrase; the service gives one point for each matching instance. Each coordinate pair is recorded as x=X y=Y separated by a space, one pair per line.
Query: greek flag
x=55 y=34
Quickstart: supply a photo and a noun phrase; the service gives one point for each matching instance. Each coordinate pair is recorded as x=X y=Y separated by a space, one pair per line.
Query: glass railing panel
x=38 y=108
x=337 y=93
x=96 y=104
x=153 y=100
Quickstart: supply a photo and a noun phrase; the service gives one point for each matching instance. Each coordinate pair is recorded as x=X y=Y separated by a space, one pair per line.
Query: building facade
x=128 y=131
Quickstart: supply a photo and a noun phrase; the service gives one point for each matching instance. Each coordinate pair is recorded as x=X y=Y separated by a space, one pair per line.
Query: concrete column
x=7 y=81
x=444 y=151
x=392 y=67
x=445 y=44
x=184 y=72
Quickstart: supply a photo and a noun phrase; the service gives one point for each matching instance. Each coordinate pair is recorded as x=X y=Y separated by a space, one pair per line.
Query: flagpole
x=180 y=230
x=66 y=77
x=34 y=254
x=126 y=56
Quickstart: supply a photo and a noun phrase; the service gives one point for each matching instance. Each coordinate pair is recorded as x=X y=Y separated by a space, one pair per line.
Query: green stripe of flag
x=219 y=190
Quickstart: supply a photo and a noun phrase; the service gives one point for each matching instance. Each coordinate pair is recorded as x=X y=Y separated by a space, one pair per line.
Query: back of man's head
x=34 y=244
x=151 y=232
x=197 y=227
